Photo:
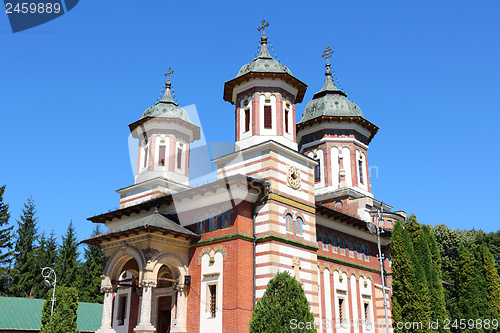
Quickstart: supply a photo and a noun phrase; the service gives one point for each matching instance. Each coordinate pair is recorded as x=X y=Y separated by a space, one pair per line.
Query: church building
x=292 y=197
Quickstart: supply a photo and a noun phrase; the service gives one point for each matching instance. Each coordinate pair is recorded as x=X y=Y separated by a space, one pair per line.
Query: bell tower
x=264 y=94
x=164 y=132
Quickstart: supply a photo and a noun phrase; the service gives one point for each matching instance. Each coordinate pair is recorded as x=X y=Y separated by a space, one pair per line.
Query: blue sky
x=425 y=72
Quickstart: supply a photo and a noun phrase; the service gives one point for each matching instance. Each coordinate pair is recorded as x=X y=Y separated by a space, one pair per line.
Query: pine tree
x=5 y=243
x=25 y=268
x=91 y=270
x=46 y=254
x=493 y=282
x=67 y=263
x=64 y=316
x=283 y=304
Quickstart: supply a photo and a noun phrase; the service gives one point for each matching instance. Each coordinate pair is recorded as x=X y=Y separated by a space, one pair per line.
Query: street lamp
x=48 y=275
x=375 y=229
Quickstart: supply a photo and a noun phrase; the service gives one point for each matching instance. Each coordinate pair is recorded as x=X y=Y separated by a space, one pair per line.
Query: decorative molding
x=149 y=253
x=212 y=251
x=147 y=284
x=146 y=237
x=108 y=290
x=291 y=202
x=223 y=238
x=287 y=241
x=346 y=263
x=293 y=176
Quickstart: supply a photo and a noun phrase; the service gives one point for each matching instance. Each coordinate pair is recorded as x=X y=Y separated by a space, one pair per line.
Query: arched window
x=360 y=251
x=213 y=223
x=334 y=244
x=351 y=249
x=299 y=225
x=324 y=239
x=367 y=253
x=342 y=246
x=289 y=223
x=226 y=219
x=338 y=204
x=200 y=226
x=389 y=257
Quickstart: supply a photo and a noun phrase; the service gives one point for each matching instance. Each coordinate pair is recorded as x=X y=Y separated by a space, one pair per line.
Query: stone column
x=180 y=319
x=107 y=309
x=145 y=319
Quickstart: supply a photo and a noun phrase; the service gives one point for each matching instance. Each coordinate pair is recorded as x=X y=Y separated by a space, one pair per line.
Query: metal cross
x=167 y=74
x=264 y=25
x=327 y=53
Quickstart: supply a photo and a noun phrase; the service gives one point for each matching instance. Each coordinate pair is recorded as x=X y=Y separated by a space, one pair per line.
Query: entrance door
x=164 y=314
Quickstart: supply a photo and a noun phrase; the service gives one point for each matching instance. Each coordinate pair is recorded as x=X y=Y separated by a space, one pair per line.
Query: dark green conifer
x=6 y=243
x=91 y=271
x=492 y=281
x=284 y=301
x=67 y=259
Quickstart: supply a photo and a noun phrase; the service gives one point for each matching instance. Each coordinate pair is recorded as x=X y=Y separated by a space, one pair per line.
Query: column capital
x=108 y=289
x=147 y=284
x=180 y=287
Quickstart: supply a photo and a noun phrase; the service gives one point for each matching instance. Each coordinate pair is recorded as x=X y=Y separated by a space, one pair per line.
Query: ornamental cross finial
x=264 y=25
x=327 y=53
x=167 y=74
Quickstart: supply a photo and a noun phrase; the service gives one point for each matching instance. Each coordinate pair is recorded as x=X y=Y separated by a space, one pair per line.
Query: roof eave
x=230 y=85
x=351 y=119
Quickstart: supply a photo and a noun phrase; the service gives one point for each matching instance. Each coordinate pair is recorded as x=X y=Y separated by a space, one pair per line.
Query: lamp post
x=48 y=275
x=375 y=229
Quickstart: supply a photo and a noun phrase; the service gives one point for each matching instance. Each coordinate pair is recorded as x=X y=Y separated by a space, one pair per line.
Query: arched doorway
x=167 y=278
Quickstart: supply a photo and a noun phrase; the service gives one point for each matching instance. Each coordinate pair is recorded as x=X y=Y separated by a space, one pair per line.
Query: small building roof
x=25 y=314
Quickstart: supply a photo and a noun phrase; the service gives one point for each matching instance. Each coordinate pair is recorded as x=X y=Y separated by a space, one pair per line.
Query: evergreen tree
x=24 y=272
x=469 y=276
x=91 y=270
x=493 y=282
x=5 y=243
x=414 y=228
x=64 y=316
x=283 y=304
x=46 y=254
x=433 y=247
x=67 y=261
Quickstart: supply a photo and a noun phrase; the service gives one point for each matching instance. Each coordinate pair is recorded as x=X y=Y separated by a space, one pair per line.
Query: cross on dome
x=327 y=53
x=263 y=27
x=167 y=74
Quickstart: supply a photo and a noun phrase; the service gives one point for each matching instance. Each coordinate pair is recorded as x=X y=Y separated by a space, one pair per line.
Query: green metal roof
x=18 y=313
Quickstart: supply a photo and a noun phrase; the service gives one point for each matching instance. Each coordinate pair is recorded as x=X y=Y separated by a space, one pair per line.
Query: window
x=317 y=171
x=299 y=225
x=122 y=310
x=334 y=244
x=201 y=226
x=338 y=204
x=289 y=225
x=161 y=160
x=341 y=310
x=226 y=219
x=367 y=253
x=247 y=120
x=351 y=249
x=145 y=157
x=179 y=158
x=324 y=239
x=367 y=312
x=268 y=120
x=342 y=246
x=389 y=223
x=286 y=120
x=389 y=259
x=360 y=252
x=213 y=299
x=360 y=166
x=213 y=223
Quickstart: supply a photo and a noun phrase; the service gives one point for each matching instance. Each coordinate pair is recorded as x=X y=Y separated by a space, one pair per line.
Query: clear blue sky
x=426 y=72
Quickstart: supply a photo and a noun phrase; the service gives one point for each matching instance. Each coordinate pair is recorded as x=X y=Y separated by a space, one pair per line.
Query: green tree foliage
x=5 y=243
x=89 y=280
x=65 y=312
x=414 y=228
x=492 y=281
x=284 y=300
x=492 y=242
x=67 y=260
x=24 y=272
x=46 y=255
x=470 y=281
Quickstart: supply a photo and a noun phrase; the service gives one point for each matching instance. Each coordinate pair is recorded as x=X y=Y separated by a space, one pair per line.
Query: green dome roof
x=264 y=63
x=167 y=108
x=330 y=101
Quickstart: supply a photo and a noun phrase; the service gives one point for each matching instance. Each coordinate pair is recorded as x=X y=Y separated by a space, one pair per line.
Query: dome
x=264 y=63
x=330 y=101
x=166 y=108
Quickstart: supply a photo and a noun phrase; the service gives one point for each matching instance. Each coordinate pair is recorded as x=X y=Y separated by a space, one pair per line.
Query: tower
x=164 y=132
x=264 y=93
x=334 y=132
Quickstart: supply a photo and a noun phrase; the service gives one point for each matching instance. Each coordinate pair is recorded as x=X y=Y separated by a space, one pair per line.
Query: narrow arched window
x=367 y=253
x=226 y=219
x=334 y=244
x=342 y=246
x=299 y=225
x=213 y=223
x=360 y=251
x=324 y=239
x=289 y=223
x=351 y=249
x=200 y=227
